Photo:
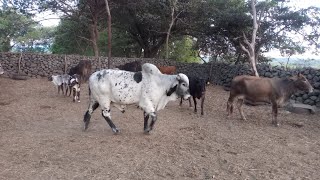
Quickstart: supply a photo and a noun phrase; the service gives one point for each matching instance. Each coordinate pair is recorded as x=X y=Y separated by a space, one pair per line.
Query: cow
x=131 y=66
x=197 y=90
x=83 y=69
x=57 y=81
x=272 y=90
x=168 y=69
x=149 y=89
x=74 y=86
x=1 y=69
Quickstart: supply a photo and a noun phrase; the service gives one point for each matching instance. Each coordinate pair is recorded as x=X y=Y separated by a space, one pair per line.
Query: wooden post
x=65 y=64
x=19 y=64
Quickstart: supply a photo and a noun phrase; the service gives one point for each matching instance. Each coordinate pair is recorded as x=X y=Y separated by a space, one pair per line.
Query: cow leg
x=230 y=105
x=107 y=116
x=180 y=101
x=190 y=105
x=275 y=114
x=153 y=120
x=70 y=89
x=145 y=124
x=92 y=106
x=195 y=103
x=74 y=94
x=62 y=91
x=66 y=90
x=202 y=102
x=59 y=87
x=78 y=94
x=240 y=103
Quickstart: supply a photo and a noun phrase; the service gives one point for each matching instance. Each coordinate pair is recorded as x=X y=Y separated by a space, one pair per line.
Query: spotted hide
x=149 y=89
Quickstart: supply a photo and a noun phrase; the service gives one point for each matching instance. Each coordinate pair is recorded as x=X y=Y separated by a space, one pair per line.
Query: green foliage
x=37 y=40
x=122 y=44
x=72 y=37
x=183 y=50
x=13 y=26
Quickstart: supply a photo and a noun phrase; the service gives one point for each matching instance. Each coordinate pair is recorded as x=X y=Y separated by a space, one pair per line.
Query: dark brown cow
x=83 y=69
x=274 y=90
x=168 y=69
x=197 y=88
x=131 y=66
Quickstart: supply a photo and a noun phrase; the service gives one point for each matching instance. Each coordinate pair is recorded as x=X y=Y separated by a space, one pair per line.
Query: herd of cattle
x=152 y=87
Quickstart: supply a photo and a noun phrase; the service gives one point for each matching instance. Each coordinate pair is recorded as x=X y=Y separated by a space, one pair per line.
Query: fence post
x=65 y=64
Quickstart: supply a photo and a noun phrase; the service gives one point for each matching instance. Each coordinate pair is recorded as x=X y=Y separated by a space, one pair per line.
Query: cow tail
x=89 y=91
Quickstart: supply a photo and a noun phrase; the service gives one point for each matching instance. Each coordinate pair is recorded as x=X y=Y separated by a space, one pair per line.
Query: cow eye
x=184 y=84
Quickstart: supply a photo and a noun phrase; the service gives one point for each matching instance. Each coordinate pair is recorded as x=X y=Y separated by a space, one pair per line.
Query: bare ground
x=41 y=137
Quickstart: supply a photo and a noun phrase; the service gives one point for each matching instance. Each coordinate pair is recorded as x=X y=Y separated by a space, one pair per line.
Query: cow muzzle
x=186 y=96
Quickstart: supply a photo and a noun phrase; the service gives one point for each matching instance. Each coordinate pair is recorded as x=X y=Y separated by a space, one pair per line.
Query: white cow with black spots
x=150 y=89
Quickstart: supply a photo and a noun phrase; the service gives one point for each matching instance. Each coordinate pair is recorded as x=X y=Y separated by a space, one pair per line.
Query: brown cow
x=83 y=69
x=168 y=69
x=274 y=90
x=134 y=66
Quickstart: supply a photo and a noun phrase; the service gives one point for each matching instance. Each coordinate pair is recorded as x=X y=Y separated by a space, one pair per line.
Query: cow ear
x=178 y=77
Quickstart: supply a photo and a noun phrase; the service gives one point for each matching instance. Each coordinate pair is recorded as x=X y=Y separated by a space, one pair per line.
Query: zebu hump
x=148 y=68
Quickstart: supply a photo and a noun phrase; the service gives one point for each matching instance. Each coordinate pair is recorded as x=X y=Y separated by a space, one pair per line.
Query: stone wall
x=223 y=73
x=44 y=65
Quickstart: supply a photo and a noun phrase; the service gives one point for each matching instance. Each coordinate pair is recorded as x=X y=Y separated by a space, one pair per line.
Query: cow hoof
x=79 y=101
x=123 y=111
x=276 y=124
x=86 y=125
x=115 y=130
x=147 y=131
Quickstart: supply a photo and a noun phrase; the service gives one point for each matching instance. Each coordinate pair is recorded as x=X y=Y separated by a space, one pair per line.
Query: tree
x=91 y=12
x=249 y=47
x=71 y=38
x=13 y=25
x=183 y=50
x=148 y=21
x=38 y=39
x=109 y=33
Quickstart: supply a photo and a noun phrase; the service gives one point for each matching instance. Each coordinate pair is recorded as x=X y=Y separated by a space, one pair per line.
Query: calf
x=83 y=69
x=57 y=81
x=274 y=90
x=197 y=90
x=74 y=86
x=149 y=88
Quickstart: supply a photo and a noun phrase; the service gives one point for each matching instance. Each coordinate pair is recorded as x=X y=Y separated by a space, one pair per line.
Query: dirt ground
x=41 y=137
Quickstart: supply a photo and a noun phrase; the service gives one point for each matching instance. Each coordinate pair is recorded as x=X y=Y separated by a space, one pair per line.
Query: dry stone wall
x=45 y=65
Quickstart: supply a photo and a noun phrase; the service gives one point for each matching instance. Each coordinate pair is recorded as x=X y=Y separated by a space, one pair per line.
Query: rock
x=301 y=108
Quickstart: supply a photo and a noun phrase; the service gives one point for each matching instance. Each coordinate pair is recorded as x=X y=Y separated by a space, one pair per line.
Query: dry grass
x=41 y=137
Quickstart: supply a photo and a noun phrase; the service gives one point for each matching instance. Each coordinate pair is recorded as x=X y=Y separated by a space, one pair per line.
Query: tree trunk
x=95 y=37
x=150 y=53
x=250 y=46
x=170 y=26
x=109 y=33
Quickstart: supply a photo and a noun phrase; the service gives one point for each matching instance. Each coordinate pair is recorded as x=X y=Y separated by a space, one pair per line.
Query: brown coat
x=274 y=90
x=168 y=69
